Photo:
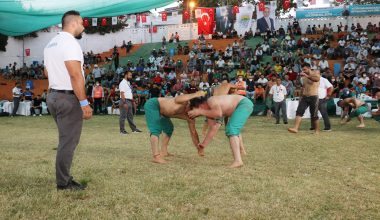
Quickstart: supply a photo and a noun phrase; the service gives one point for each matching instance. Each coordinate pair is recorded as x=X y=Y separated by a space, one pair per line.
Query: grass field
x=334 y=175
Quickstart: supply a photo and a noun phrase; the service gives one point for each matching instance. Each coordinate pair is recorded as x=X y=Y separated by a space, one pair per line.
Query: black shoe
x=72 y=185
x=285 y=122
x=123 y=132
x=327 y=129
x=136 y=131
x=311 y=129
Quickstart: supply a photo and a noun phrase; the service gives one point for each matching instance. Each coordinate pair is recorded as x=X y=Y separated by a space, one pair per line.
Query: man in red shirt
x=157 y=79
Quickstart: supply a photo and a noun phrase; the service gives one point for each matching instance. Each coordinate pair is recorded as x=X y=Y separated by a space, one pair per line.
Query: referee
x=126 y=104
x=66 y=100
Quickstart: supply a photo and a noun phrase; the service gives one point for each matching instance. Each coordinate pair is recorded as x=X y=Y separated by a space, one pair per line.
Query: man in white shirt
x=97 y=73
x=278 y=93
x=126 y=104
x=323 y=64
x=16 y=92
x=262 y=80
x=67 y=102
x=324 y=93
x=220 y=63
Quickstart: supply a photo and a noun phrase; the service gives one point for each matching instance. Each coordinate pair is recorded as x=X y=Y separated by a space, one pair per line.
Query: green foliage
x=3 y=42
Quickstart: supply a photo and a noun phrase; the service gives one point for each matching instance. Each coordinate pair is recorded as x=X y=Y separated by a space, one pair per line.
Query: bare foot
x=166 y=154
x=360 y=126
x=236 y=164
x=158 y=159
x=292 y=130
x=316 y=132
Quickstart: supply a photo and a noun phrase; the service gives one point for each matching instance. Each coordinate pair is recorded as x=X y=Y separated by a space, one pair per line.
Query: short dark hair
x=306 y=65
x=68 y=13
x=196 y=102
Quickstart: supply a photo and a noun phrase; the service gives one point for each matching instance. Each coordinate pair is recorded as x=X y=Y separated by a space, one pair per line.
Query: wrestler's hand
x=87 y=112
x=303 y=74
x=200 y=93
x=193 y=113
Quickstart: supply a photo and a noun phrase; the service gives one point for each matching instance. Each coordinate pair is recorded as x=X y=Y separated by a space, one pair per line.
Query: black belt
x=71 y=92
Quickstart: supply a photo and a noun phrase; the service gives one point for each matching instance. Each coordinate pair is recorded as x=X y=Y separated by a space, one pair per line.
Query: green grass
x=334 y=175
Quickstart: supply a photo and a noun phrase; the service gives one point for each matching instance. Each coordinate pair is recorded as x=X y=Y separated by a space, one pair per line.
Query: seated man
x=238 y=108
x=359 y=108
x=36 y=104
x=158 y=112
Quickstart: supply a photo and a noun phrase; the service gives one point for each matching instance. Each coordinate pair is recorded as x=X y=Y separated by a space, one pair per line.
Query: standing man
x=16 y=92
x=309 y=98
x=67 y=98
x=324 y=93
x=97 y=73
x=278 y=94
x=265 y=23
x=98 y=96
x=126 y=104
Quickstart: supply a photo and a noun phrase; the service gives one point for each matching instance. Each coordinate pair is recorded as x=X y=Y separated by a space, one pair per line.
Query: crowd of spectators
x=251 y=68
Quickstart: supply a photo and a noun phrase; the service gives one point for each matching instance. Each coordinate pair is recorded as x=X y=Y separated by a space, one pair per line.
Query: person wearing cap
x=17 y=94
x=63 y=59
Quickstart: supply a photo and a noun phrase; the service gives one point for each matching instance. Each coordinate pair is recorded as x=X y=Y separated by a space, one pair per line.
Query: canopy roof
x=19 y=17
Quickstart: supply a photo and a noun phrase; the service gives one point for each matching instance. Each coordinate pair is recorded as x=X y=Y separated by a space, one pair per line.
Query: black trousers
x=97 y=105
x=126 y=113
x=33 y=110
x=308 y=101
x=16 y=103
x=277 y=107
x=68 y=116
x=322 y=107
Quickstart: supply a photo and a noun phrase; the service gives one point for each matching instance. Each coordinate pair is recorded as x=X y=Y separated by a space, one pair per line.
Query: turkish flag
x=104 y=22
x=235 y=9
x=262 y=6
x=164 y=16
x=143 y=18
x=85 y=22
x=206 y=21
x=286 y=4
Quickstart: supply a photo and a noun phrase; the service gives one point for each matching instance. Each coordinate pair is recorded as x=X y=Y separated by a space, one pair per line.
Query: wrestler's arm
x=215 y=111
x=193 y=132
x=315 y=77
x=212 y=131
x=187 y=97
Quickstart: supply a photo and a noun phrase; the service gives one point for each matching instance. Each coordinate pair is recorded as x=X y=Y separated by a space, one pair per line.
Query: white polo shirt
x=324 y=84
x=61 y=48
x=278 y=92
x=125 y=87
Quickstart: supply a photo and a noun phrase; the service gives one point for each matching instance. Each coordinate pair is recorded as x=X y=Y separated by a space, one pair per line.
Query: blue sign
x=353 y=10
x=364 y=10
x=304 y=13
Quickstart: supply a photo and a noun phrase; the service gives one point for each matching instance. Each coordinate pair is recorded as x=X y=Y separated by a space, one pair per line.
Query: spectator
x=278 y=94
x=17 y=93
x=96 y=72
x=28 y=94
x=98 y=97
x=36 y=104
x=250 y=87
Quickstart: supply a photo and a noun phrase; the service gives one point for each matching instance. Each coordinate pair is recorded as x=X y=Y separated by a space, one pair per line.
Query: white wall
x=100 y=43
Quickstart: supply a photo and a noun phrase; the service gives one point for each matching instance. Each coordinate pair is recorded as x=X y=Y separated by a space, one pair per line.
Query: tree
x=3 y=42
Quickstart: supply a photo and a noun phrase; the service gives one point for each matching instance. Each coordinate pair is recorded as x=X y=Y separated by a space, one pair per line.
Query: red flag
x=104 y=22
x=262 y=6
x=27 y=52
x=85 y=22
x=164 y=16
x=137 y=18
x=286 y=4
x=206 y=21
x=235 y=9
x=143 y=18
x=154 y=29
x=186 y=15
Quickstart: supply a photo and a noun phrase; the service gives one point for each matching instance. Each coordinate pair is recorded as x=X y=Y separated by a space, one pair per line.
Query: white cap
x=96 y=65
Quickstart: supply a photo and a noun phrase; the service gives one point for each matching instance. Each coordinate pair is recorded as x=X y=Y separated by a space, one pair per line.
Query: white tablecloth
x=23 y=108
x=291 y=108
